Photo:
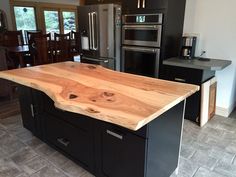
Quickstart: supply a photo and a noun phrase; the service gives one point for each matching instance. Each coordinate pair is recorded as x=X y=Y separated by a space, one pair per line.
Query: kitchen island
x=113 y=124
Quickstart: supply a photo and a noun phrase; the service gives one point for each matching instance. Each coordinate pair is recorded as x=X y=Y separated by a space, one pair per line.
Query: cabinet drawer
x=180 y=74
x=72 y=140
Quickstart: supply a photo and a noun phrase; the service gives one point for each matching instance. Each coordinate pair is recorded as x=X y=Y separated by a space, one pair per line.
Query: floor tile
x=58 y=159
x=45 y=150
x=203 y=172
x=25 y=136
x=34 y=165
x=225 y=168
x=187 y=152
x=23 y=155
x=187 y=167
x=8 y=168
x=34 y=143
x=10 y=144
x=49 y=171
x=73 y=170
x=203 y=159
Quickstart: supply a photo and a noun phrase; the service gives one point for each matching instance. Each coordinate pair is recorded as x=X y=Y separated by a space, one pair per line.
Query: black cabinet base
x=104 y=149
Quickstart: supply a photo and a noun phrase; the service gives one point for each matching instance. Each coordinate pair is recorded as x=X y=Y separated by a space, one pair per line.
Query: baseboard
x=225 y=112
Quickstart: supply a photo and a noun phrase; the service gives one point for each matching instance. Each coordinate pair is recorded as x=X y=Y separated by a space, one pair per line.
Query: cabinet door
x=26 y=105
x=154 y=4
x=128 y=5
x=122 y=154
x=70 y=139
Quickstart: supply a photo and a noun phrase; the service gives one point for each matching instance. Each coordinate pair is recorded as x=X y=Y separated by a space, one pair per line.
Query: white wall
x=215 y=22
x=4 y=5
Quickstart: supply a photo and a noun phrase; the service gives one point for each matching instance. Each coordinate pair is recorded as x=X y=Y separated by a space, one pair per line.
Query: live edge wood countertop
x=123 y=99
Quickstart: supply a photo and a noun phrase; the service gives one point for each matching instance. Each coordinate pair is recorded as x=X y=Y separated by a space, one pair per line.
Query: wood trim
x=212 y=100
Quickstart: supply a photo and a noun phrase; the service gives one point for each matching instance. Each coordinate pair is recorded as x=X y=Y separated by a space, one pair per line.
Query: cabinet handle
x=138 y=6
x=114 y=134
x=63 y=141
x=180 y=80
x=144 y=4
x=32 y=110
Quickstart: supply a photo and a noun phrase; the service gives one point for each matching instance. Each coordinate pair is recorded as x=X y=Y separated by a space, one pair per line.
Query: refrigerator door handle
x=94 y=16
x=90 y=32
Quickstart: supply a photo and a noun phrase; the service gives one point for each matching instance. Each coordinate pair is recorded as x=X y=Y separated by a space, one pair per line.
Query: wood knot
x=91 y=110
x=91 y=67
x=72 y=66
x=108 y=94
x=73 y=96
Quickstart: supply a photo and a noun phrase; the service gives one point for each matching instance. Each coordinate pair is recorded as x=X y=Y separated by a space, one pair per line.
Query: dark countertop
x=207 y=64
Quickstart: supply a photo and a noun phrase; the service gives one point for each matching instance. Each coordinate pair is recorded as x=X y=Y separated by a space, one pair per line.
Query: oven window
x=141 y=35
x=140 y=63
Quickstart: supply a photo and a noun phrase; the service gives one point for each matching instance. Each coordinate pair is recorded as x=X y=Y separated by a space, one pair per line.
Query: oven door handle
x=141 y=49
x=96 y=60
x=141 y=27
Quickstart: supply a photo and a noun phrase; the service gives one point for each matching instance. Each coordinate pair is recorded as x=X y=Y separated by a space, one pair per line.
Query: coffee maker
x=188 y=47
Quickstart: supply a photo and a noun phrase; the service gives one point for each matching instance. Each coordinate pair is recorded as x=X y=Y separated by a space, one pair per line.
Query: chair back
x=75 y=36
x=31 y=34
x=4 y=88
x=63 y=47
x=40 y=50
x=12 y=38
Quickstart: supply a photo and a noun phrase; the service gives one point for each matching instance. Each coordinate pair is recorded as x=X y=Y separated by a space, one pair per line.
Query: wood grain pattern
x=123 y=99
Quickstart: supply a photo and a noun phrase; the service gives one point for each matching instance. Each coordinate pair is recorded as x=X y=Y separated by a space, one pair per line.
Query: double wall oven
x=141 y=42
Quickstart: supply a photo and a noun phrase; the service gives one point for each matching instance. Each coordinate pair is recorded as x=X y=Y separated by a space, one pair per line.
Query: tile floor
x=206 y=152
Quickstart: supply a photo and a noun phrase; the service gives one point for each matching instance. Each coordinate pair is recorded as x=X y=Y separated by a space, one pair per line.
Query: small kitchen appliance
x=188 y=47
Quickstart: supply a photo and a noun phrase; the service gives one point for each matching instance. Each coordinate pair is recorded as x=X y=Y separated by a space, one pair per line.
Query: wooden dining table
x=19 y=51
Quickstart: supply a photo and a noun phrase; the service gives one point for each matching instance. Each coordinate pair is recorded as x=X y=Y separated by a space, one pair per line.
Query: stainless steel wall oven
x=141 y=42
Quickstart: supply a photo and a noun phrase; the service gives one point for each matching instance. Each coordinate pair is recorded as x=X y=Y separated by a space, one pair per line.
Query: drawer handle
x=63 y=141
x=114 y=134
x=180 y=80
x=32 y=110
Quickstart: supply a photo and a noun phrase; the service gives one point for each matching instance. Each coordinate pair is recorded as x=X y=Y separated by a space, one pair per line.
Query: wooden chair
x=13 y=38
x=31 y=34
x=6 y=88
x=62 y=47
x=75 y=36
x=39 y=50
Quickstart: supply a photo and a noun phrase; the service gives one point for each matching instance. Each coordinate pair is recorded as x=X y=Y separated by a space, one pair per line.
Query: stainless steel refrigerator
x=100 y=34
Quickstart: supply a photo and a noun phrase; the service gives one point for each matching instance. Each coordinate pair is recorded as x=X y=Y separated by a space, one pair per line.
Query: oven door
x=140 y=60
x=107 y=63
x=142 y=35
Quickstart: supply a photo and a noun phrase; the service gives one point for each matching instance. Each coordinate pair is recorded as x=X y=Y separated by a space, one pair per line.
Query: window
x=25 y=19
x=57 y=21
x=69 y=21
x=51 y=19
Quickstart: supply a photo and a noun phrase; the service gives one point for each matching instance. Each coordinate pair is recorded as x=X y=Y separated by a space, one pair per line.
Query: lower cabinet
x=191 y=76
x=122 y=153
